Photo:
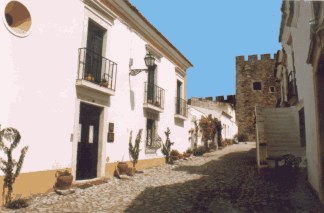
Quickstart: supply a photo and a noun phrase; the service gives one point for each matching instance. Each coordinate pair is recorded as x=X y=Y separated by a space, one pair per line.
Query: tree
x=209 y=127
x=11 y=136
x=134 y=150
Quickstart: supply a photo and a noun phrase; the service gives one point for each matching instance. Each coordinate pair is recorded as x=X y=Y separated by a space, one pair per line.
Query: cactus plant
x=166 y=148
x=11 y=136
x=134 y=150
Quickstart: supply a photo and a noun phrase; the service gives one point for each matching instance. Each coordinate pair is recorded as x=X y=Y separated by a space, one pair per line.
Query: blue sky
x=211 y=33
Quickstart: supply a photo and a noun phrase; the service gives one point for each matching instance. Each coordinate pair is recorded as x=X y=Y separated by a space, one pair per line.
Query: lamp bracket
x=134 y=72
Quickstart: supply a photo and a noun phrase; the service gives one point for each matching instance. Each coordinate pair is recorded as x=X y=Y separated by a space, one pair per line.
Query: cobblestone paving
x=222 y=181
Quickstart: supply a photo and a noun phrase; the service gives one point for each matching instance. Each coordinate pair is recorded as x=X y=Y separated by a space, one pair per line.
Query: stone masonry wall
x=247 y=72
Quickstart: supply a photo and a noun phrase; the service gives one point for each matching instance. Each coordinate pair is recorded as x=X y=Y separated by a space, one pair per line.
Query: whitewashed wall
x=126 y=109
x=41 y=70
x=305 y=85
x=37 y=84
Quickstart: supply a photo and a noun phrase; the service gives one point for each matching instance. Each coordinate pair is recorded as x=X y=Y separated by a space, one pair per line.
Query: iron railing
x=181 y=107
x=97 y=69
x=154 y=95
x=292 y=87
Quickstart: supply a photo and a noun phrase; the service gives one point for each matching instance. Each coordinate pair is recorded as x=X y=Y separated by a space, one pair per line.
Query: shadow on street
x=229 y=184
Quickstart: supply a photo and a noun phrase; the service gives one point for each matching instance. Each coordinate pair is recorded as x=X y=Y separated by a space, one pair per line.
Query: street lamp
x=149 y=62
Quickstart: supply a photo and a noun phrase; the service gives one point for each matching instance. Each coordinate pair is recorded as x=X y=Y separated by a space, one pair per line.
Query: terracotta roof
x=157 y=31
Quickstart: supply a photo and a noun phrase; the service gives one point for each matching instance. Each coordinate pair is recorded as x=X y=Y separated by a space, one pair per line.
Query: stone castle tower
x=255 y=85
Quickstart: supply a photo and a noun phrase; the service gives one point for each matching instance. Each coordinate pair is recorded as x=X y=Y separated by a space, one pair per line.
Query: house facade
x=76 y=85
x=219 y=108
x=299 y=69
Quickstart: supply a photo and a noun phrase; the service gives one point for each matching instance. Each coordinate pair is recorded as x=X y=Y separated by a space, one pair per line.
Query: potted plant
x=89 y=77
x=63 y=179
x=157 y=103
x=122 y=167
x=104 y=83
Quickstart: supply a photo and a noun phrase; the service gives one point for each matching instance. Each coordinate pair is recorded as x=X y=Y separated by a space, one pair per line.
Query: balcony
x=154 y=97
x=96 y=73
x=181 y=111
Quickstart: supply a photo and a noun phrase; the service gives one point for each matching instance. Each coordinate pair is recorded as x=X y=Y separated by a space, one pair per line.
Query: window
x=18 y=19
x=257 y=85
x=150 y=132
x=272 y=89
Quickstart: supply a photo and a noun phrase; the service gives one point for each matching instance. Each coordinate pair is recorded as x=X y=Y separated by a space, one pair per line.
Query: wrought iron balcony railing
x=292 y=87
x=154 y=95
x=97 y=69
x=181 y=107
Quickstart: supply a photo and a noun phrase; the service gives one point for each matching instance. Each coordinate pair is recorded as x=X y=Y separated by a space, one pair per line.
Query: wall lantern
x=149 y=62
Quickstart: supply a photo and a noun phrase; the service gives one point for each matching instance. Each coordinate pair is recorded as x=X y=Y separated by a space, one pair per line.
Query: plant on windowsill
x=104 y=83
x=157 y=104
x=89 y=77
x=63 y=179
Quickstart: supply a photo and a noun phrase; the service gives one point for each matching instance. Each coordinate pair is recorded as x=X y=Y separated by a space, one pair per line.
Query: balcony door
x=179 y=96
x=151 y=86
x=94 y=52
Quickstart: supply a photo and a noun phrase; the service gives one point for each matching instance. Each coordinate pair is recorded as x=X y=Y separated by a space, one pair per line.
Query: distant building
x=255 y=86
x=219 y=108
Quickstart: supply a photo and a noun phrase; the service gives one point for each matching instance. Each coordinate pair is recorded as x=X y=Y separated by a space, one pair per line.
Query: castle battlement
x=254 y=58
x=230 y=99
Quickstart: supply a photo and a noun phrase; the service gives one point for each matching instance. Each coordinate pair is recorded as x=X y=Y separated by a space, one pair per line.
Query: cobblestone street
x=222 y=181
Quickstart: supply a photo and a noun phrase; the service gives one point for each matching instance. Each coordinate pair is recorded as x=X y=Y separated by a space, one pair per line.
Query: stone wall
x=248 y=72
x=209 y=103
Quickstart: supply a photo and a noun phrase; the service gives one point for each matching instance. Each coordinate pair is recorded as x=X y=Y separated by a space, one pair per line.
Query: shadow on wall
x=132 y=99
x=179 y=122
x=229 y=184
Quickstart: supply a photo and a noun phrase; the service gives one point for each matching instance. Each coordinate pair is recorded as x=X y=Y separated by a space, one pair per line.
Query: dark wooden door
x=87 y=154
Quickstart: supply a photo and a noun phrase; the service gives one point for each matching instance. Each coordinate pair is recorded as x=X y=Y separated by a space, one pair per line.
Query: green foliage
x=17 y=204
x=227 y=142
x=189 y=151
x=12 y=136
x=196 y=134
x=65 y=172
x=199 y=151
x=166 y=148
x=241 y=137
x=210 y=127
x=135 y=150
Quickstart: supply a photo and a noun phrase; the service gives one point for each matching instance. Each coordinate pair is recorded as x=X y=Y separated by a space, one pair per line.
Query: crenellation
x=240 y=58
x=265 y=56
x=252 y=58
x=256 y=57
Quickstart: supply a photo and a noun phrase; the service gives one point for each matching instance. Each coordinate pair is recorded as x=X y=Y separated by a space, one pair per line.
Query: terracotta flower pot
x=122 y=167
x=63 y=182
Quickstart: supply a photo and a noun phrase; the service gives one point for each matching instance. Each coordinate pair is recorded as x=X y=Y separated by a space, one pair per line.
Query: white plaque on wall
x=90 y=134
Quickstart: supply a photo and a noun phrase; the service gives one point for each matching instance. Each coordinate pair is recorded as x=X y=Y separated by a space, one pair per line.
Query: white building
x=225 y=113
x=300 y=71
x=66 y=86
